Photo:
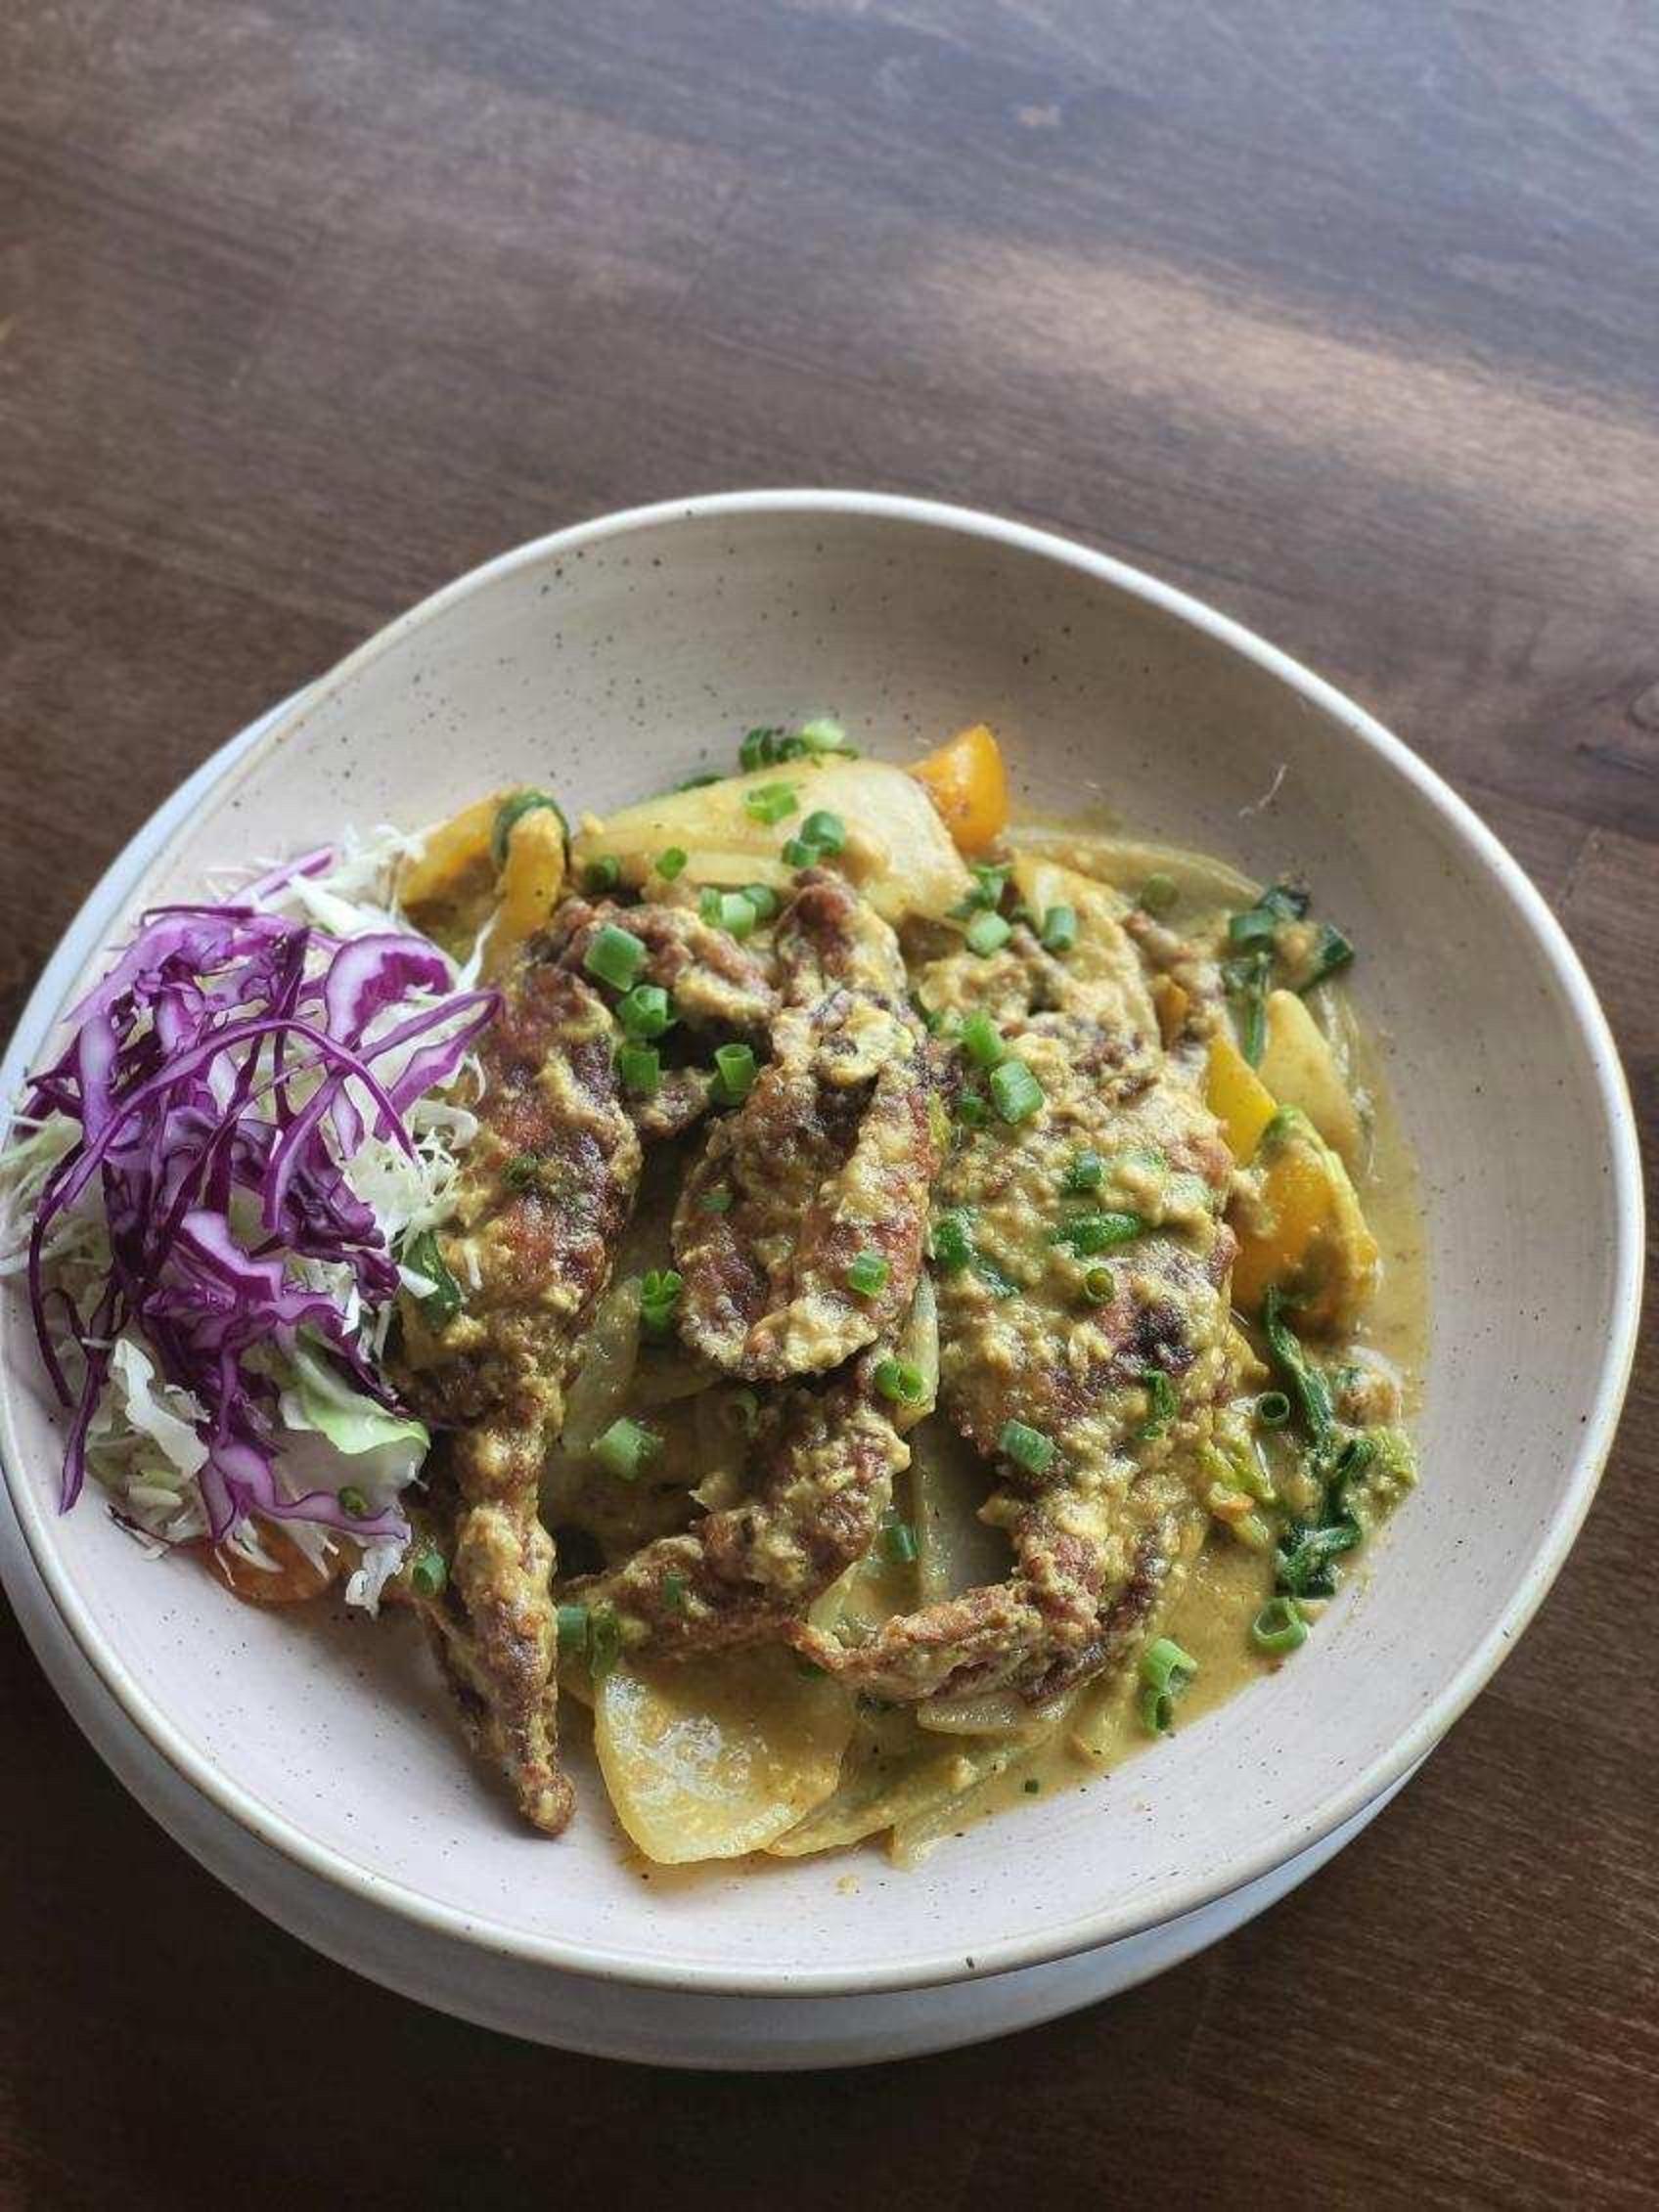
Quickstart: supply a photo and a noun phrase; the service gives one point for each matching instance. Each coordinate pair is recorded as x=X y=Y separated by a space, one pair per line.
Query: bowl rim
x=1107 y=1924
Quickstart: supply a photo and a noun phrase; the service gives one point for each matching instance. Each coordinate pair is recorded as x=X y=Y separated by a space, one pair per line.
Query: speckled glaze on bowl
x=614 y=658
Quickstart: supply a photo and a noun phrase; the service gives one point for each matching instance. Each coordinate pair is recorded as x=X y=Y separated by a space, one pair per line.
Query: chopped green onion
x=422 y=1257
x=615 y=956
x=1086 y=1173
x=572 y=1630
x=512 y=812
x=867 y=1274
x=729 y=910
x=895 y=1541
x=759 y=749
x=989 y=884
x=798 y=853
x=1031 y=1786
x=1016 y=1092
x=1166 y=1670
x=821 y=734
x=1272 y=1409
x=1331 y=951
x=982 y=1041
x=674 y=1592
x=718 y=1201
x=1246 y=979
x=1288 y=902
x=902 y=1381
x=625 y=1447
x=735 y=1072
x=827 y=831
x=429 y=1574
x=763 y=898
x=659 y=1295
x=1162 y=1403
x=1308 y=1386
x=522 y=1172
x=1027 y=1447
x=939 y=1021
x=603 y=874
x=354 y=1501
x=604 y=1641
x=1303 y=1556
x=971 y=1111
x=1085 y=1234
x=952 y=1242
x=671 y=861
x=1250 y=932
x=1060 y=929
x=698 y=783
x=987 y=934
x=1158 y=893
x=645 y=1011
x=1278 y=1626
x=769 y=803
x=639 y=1067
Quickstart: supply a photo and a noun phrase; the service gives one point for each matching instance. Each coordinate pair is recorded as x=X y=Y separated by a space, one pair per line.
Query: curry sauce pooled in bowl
x=876 y=1302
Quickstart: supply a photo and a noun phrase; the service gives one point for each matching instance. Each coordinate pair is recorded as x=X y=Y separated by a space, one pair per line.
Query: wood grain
x=1344 y=317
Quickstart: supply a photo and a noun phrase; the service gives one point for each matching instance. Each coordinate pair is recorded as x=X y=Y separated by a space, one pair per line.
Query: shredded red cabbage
x=223 y=1074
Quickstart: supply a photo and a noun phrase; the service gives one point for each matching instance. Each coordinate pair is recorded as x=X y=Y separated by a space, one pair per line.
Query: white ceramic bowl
x=613 y=658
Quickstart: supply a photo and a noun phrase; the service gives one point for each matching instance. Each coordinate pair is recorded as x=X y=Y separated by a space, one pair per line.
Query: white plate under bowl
x=612 y=659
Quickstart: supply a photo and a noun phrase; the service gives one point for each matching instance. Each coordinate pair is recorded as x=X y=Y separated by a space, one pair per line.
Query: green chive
x=1308 y=1386
x=639 y=1069
x=735 y=1072
x=1162 y=1403
x=1027 y=1447
x=429 y=1574
x=895 y=1541
x=513 y=811
x=1248 y=932
x=1158 y=893
x=717 y=1201
x=352 y=1501
x=1288 y=902
x=422 y=1257
x=798 y=853
x=522 y=1172
x=769 y=803
x=1331 y=951
x=603 y=874
x=1166 y=1670
x=659 y=1295
x=674 y=1592
x=763 y=898
x=1085 y=1234
x=615 y=956
x=645 y=1011
x=989 y=884
x=1278 y=1626
x=572 y=1630
x=727 y=909
x=982 y=1041
x=1086 y=1173
x=867 y=1274
x=604 y=1641
x=624 y=1448
x=1016 y=1092
x=1060 y=929
x=987 y=934
x=971 y=1111
x=759 y=749
x=1100 y=1286
x=1032 y=1787
x=1272 y=1409
x=827 y=831
x=951 y=1242
x=823 y=735
x=1304 y=1558
x=902 y=1381
x=671 y=862
x=1246 y=979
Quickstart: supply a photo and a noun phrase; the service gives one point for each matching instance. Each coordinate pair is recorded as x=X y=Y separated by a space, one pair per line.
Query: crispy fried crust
x=544 y=1196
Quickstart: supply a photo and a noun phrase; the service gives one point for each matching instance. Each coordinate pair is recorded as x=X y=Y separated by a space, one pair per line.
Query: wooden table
x=1345 y=316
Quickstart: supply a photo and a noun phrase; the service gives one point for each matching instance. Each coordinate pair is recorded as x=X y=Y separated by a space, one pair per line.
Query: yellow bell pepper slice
x=968 y=785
